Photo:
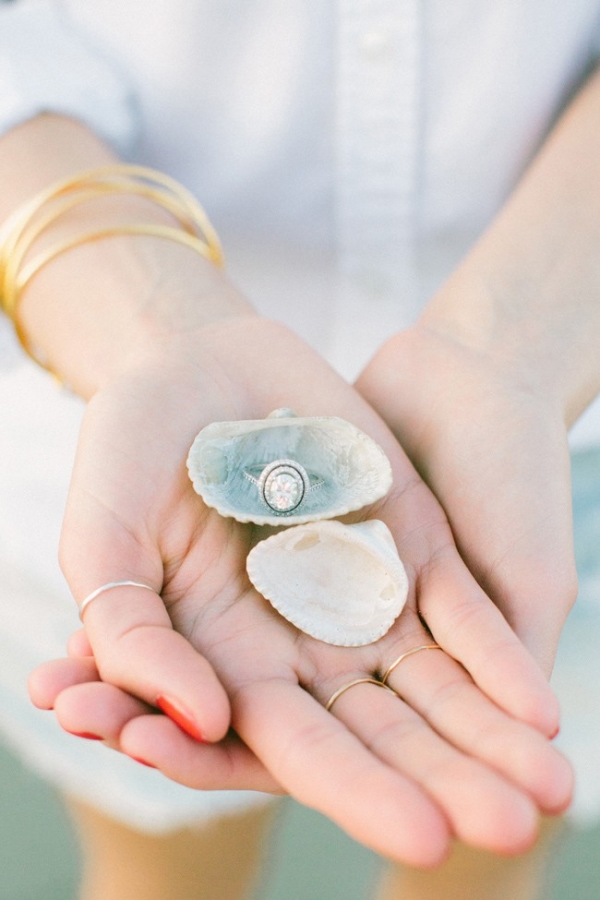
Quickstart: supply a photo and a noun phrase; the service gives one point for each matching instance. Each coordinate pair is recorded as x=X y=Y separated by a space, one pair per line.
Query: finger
x=97 y=709
x=110 y=534
x=484 y=810
x=229 y=765
x=136 y=649
x=79 y=645
x=49 y=680
x=473 y=631
x=457 y=611
x=440 y=690
x=102 y=711
x=322 y=765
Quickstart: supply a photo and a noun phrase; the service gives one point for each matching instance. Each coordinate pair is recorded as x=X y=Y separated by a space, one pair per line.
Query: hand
x=494 y=451
x=460 y=754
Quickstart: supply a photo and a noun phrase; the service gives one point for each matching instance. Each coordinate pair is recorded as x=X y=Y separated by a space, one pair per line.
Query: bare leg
x=219 y=861
x=473 y=875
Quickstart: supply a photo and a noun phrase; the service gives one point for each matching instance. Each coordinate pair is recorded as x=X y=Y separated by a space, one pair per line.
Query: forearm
x=94 y=307
x=504 y=356
x=528 y=294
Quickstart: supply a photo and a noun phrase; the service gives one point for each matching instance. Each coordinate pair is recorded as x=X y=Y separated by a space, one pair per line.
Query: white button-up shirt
x=369 y=141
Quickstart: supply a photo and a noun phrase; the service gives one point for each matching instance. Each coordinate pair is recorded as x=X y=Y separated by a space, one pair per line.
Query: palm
x=133 y=514
x=495 y=454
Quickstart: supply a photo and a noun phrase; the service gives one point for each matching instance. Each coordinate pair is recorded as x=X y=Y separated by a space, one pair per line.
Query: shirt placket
x=377 y=125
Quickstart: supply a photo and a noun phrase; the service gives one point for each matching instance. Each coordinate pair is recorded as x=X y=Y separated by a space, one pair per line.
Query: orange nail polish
x=86 y=734
x=143 y=762
x=556 y=733
x=180 y=716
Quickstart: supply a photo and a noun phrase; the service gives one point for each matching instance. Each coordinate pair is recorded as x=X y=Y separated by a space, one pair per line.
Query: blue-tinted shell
x=346 y=469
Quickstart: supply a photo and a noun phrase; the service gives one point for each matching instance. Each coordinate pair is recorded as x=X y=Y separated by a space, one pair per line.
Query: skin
x=507 y=359
x=201 y=353
x=450 y=742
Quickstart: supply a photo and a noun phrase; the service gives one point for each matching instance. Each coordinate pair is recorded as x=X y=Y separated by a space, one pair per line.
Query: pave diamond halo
x=283 y=484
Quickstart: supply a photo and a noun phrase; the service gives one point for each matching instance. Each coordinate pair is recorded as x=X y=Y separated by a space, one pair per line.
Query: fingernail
x=556 y=733
x=180 y=716
x=143 y=762
x=86 y=734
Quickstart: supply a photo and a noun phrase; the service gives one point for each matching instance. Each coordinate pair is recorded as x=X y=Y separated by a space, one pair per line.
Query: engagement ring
x=283 y=484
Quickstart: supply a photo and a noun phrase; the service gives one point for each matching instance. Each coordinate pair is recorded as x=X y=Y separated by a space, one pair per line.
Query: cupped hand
x=492 y=446
x=460 y=752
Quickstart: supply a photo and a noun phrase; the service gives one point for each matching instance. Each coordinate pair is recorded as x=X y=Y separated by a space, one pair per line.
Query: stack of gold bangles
x=29 y=221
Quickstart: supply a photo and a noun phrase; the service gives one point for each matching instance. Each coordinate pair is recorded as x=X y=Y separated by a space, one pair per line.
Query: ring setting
x=283 y=485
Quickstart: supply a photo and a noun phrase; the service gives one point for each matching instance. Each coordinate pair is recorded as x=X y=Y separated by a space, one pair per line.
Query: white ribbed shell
x=342 y=584
x=348 y=467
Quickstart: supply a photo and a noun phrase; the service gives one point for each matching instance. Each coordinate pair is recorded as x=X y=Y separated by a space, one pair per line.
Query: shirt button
x=375 y=45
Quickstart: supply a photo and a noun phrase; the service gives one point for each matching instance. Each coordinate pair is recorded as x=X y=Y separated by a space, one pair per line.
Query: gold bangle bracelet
x=22 y=238
x=33 y=218
x=115 y=174
x=161 y=231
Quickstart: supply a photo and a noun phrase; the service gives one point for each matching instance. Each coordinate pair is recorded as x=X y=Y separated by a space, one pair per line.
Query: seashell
x=342 y=584
x=286 y=470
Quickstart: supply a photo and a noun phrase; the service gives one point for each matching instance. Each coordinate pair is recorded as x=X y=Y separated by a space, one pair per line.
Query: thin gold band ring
x=350 y=684
x=402 y=656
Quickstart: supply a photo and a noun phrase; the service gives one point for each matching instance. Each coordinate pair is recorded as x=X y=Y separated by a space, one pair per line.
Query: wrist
x=89 y=311
x=99 y=260
x=527 y=293
x=80 y=303
x=425 y=380
x=518 y=332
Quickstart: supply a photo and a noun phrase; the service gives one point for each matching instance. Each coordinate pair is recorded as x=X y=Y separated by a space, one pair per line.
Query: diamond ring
x=283 y=484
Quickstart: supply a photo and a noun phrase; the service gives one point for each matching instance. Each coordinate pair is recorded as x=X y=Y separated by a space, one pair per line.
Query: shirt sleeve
x=47 y=65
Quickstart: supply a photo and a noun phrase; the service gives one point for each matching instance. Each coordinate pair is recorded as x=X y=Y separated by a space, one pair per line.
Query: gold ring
x=402 y=656
x=350 y=684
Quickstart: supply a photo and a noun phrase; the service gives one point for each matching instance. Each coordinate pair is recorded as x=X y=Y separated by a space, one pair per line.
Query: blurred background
x=311 y=859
